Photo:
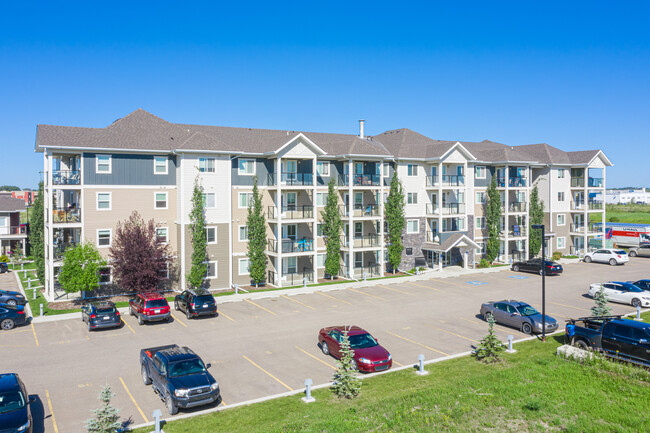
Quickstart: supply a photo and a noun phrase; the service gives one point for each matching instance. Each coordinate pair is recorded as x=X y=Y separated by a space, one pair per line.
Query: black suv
x=196 y=302
x=101 y=315
x=15 y=415
x=10 y=297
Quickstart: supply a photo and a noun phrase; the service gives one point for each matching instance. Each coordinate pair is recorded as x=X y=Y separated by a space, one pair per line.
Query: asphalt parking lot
x=269 y=346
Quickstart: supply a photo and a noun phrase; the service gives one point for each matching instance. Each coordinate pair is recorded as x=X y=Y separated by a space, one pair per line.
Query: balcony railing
x=576 y=251
x=595 y=205
x=303 y=245
x=298 y=278
x=433 y=209
x=292 y=212
x=431 y=237
x=66 y=215
x=594 y=228
x=66 y=177
x=453 y=180
x=577 y=182
x=514 y=182
x=297 y=178
x=577 y=205
x=453 y=208
x=369 y=241
x=517 y=206
x=595 y=182
x=517 y=231
x=432 y=180
x=577 y=228
x=361 y=210
x=357 y=272
x=518 y=256
x=60 y=249
x=360 y=180
x=13 y=230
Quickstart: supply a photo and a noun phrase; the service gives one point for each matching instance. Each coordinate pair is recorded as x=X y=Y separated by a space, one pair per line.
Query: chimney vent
x=361 y=122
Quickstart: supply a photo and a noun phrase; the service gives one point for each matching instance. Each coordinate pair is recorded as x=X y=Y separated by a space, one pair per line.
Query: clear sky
x=569 y=73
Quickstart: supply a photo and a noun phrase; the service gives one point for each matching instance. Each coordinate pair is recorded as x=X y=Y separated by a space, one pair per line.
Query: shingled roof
x=11 y=204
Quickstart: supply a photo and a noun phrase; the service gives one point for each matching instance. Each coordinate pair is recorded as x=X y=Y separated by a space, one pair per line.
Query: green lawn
x=625 y=213
x=532 y=390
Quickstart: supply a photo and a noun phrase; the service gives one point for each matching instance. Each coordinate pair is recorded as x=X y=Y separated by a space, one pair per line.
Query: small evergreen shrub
x=346 y=383
x=601 y=308
x=614 y=219
x=484 y=264
x=106 y=418
x=489 y=347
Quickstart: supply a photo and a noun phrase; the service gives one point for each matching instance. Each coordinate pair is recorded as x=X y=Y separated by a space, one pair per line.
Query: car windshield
x=527 y=310
x=619 y=252
x=206 y=299
x=183 y=368
x=634 y=289
x=13 y=400
x=361 y=341
x=156 y=303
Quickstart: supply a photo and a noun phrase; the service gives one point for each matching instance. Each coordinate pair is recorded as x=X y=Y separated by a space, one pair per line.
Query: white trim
x=155 y=200
x=155 y=165
x=214 y=165
x=170 y=187
x=166 y=234
x=110 y=238
x=206 y=194
x=110 y=201
x=249 y=195
x=216 y=269
x=243 y=173
x=239 y=266
x=239 y=233
x=323 y=164
x=110 y=164
x=483 y=169
x=563 y=242
x=110 y=281
x=464 y=150
x=216 y=235
x=310 y=143
x=414 y=195
x=557 y=219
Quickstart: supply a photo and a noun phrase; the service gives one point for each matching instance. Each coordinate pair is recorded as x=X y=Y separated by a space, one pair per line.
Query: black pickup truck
x=179 y=377
x=613 y=336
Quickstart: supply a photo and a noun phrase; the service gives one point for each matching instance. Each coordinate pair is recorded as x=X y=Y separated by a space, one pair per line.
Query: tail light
x=117 y=313
x=618 y=255
x=92 y=316
x=21 y=312
x=148 y=353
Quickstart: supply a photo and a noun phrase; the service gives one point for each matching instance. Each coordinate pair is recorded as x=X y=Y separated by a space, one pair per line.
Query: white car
x=607 y=255
x=624 y=293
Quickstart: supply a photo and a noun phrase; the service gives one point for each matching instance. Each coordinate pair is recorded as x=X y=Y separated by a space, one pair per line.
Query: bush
x=557 y=255
x=484 y=264
x=4 y=258
x=489 y=347
x=614 y=219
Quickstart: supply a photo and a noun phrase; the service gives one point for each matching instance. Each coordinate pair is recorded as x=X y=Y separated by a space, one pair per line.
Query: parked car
x=10 y=297
x=518 y=315
x=11 y=316
x=641 y=251
x=642 y=284
x=607 y=255
x=612 y=336
x=624 y=293
x=535 y=265
x=368 y=354
x=178 y=376
x=149 y=307
x=15 y=414
x=101 y=315
x=4 y=267
x=196 y=302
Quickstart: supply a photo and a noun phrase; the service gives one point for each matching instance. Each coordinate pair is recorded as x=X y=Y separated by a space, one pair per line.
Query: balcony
x=358 y=272
x=66 y=215
x=13 y=230
x=595 y=205
x=431 y=237
x=303 y=245
x=577 y=182
x=370 y=241
x=515 y=231
x=513 y=182
x=293 y=278
x=66 y=177
x=518 y=256
x=594 y=228
x=297 y=179
x=577 y=205
x=577 y=228
x=595 y=182
x=453 y=208
x=453 y=180
x=517 y=206
x=361 y=210
x=360 y=180
x=432 y=181
x=292 y=212
x=433 y=209
x=60 y=249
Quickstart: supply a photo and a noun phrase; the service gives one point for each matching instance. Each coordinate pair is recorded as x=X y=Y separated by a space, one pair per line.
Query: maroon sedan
x=368 y=354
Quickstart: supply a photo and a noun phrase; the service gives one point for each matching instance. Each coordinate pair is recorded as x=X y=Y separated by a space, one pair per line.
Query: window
x=481 y=248
x=480 y=222
x=244 y=266
x=561 y=220
x=290 y=265
x=247 y=167
x=245 y=199
x=160 y=165
x=412 y=198
x=560 y=196
x=412 y=226
x=104 y=164
x=206 y=165
x=323 y=168
x=161 y=235
x=386 y=169
x=211 y=235
x=561 y=242
x=481 y=197
x=480 y=172
x=164 y=272
x=358 y=168
x=161 y=200
x=411 y=170
x=319 y=230
x=104 y=238
x=243 y=233
x=320 y=260
x=105 y=275
x=211 y=271
x=409 y=251
x=560 y=173
x=209 y=200
x=103 y=201
x=321 y=198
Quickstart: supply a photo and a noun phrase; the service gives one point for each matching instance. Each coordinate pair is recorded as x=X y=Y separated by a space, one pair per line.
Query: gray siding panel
x=128 y=169
x=489 y=173
x=263 y=167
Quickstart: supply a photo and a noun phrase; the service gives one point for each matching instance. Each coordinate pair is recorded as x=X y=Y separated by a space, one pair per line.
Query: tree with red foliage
x=139 y=260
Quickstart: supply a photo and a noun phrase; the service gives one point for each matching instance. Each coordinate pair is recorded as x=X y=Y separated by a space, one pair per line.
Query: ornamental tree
x=36 y=233
x=80 y=268
x=256 y=223
x=493 y=221
x=394 y=215
x=198 y=269
x=332 y=227
x=536 y=217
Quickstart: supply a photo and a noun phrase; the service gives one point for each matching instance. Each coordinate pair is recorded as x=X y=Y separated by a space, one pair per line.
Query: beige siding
x=218 y=252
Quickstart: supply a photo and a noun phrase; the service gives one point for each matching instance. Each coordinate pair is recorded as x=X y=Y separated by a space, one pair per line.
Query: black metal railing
x=453 y=208
x=432 y=180
x=366 y=179
x=61 y=248
x=517 y=230
x=369 y=241
x=291 y=246
x=298 y=278
x=13 y=230
x=65 y=215
x=292 y=212
x=361 y=210
x=271 y=277
x=66 y=177
x=577 y=182
x=518 y=256
x=453 y=180
x=297 y=178
x=577 y=228
x=358 y=272
x=517 y=182
x=595 y=205
x=595 y=182
x=517 y=206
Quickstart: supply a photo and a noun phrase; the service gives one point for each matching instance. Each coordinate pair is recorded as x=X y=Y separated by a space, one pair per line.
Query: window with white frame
x=321 y=198
x=411 y=170
x=247 y=167
x=323 y=168
x=560 y=173
x=479 y=171
x=206 y=165
x=161 y=235
x=103 y=201
x=211 y=235
x=412 y=226
x=160 y=199
x=103 y=238
x=481 y=197
x=480 y=222
x=164 y=272
x=209 y=200
x=160 y=165
x=245 y=199
x=412 y=198
x=481 y=248
x=103 y=164
x=561 y=243
x=561 y=219
x=243 y=233
x=560 y=196
x=386 y=169
x=320 y=260
x=244 y=265
x=105 y=275
x=211 y=270
x=319 y=230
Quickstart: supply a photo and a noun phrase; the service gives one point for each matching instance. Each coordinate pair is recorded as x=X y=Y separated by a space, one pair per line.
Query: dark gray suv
x=196 y=302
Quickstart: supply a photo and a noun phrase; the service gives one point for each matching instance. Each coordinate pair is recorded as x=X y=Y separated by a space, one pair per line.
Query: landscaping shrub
x=4 y=258
x=484 y=264
x=614 y=219
x=557 y=255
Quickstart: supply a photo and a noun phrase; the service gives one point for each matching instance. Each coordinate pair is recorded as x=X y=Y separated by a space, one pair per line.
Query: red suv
x=149 y=307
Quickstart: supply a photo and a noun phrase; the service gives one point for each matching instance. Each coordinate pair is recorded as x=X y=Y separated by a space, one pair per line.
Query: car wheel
x=488 y=315
x=140 y=320
x=145 y=377
x=131 y=313
x=188 y=314
x=172 y=409
x=526 y=328
x=12 y=302
x=632 y=253
x=7 y=324
x=581 y=344
x=636 y=302
x=587 y=259
x=515 y=268
x=613 y=262
x=325 y=348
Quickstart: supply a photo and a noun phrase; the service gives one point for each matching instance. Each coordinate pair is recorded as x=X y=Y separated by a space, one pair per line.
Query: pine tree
x=493 y=221
x=106 y=418
x=536 y=216
x=256 y=223
x=601 y=308
x=489 y=347
x=394 y=215
x=346 y=383
x=199 y=240
x=332 y=227
x=36 y=232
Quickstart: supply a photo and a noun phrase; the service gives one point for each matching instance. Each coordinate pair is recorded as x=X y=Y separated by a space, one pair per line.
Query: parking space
x=267 y=346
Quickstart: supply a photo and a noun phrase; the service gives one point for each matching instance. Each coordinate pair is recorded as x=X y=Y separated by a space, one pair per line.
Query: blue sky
x=572 y=74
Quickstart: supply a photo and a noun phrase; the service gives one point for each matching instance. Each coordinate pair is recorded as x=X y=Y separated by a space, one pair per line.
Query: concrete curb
x=28 y=307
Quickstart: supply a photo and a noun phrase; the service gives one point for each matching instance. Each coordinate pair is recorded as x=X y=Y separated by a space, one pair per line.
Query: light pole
x=541 y=227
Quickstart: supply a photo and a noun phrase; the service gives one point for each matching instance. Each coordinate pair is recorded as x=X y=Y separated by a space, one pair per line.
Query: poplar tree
x=256 y=223
x=198 y=238
x=394 y=215
x=536 y=216
x=332 y=227
x=493 y=221
x=36 y=233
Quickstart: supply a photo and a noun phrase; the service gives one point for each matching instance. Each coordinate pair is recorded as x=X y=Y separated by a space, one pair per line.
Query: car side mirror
x=32 y=399
x=208 y=365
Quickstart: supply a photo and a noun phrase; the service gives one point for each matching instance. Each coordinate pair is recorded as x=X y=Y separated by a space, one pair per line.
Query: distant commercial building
x=28 y=196
x=625 y=196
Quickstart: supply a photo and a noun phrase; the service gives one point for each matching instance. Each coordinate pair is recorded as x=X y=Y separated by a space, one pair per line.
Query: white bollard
x=304 y=281
x=638 y=313
x=41 y=310
x=510 y=349
x=365 y=277
x=421 y=371
x=308 y=398
x=156 y=416
x=236 y=289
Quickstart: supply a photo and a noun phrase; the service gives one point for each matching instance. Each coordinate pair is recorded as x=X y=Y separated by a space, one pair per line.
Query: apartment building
x=12 y=233
x=95 y=177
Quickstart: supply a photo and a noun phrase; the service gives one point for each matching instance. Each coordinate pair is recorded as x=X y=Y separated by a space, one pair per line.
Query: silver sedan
x=518 y=315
